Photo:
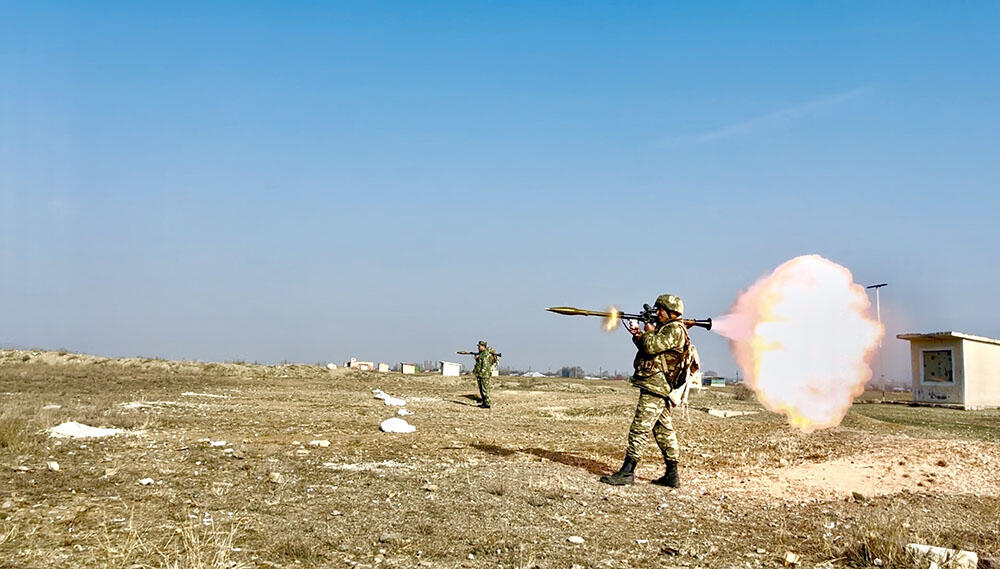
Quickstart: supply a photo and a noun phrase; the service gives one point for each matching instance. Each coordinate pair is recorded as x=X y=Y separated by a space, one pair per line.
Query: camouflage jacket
x=660 y=358
x=484 y=363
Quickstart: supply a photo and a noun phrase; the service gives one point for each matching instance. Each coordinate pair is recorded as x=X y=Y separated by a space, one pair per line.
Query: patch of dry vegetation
x=743 y=393
x=236 y=483
x=15 y=434
x=190 y=545
x=879 y=541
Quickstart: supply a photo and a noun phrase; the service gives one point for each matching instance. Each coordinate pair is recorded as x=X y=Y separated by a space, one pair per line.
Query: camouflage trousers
x=484 y=389
x=652 y=414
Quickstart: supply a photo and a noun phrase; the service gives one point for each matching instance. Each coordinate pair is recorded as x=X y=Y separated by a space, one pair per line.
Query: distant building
x=383 y=367
x=354 y=363
x=953 y=368
x=408 y=368
x=451 y=368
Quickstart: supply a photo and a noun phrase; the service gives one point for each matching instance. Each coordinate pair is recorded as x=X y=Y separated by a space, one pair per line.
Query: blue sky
x=394 y=181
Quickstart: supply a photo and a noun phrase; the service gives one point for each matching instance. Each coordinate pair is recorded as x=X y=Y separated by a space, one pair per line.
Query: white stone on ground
x=74 y=430
x=942 y=556
x=389 y=399
x=404 y=412
x=726 y=413
x=397 y=425
x=367 y=465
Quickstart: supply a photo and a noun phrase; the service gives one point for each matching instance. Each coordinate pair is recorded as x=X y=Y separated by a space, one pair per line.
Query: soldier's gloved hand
x=650 y=327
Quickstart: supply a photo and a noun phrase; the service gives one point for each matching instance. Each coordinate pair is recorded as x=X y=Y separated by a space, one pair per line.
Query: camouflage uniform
x=483 y=370
x=660 y=355
x=663 y=359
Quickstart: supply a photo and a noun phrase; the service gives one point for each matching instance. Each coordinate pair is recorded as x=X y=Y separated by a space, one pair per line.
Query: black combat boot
x=670 y=477
x=624 y=476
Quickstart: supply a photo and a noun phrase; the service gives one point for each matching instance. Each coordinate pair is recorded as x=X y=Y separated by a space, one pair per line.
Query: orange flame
x=612 y=319
x=804 y=340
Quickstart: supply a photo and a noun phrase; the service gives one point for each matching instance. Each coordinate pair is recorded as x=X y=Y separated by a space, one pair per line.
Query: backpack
x=680 y=377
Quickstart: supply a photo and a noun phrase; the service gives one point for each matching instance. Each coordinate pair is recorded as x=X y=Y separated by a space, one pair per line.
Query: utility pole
x=878 y=314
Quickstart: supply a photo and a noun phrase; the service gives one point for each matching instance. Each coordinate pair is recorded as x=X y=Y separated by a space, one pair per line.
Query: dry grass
x=937 y=421
x=507 y=486
x=15 y=433
x=8 y=532
x=123 y=546
x=879 y=541
x=201 y=547
x=743 y=393
x=191 y=545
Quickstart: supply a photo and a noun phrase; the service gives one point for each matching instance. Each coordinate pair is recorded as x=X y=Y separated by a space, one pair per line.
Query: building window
x=938 y=367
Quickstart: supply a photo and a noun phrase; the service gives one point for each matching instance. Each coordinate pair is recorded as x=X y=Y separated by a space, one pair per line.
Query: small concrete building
x=354 y=363
x=383 y=367
x=952 y=368
x=451 y=368
x=408 y=368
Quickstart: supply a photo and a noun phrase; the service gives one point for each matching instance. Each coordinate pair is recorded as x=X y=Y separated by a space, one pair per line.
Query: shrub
x=743 y=393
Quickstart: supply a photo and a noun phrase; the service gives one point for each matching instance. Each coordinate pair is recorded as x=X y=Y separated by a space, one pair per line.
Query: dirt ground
x=225 y=465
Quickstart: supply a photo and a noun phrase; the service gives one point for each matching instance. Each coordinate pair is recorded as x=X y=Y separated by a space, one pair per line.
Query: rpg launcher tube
x=572 y=311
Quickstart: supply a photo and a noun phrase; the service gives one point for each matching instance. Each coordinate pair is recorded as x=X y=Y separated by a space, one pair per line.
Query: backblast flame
x=804 y=341
x=612 y=319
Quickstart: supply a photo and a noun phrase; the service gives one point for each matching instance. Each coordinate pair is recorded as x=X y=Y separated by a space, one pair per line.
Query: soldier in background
x=662 y=363
x=486 y=358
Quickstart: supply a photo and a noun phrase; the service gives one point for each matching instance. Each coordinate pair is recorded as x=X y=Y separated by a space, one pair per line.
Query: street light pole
x=878 y=314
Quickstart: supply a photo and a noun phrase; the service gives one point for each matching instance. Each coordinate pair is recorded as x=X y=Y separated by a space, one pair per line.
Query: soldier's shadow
x=473 y=398
x=590 y=465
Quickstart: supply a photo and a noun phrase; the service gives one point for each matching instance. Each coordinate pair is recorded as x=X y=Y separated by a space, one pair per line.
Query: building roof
x=948 y=335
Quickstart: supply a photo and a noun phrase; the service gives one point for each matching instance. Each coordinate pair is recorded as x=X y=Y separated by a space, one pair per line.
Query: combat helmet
x=482 y=342
x=670 y=302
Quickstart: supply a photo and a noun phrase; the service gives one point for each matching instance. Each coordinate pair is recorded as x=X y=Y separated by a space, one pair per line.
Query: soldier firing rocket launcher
x=613 y=316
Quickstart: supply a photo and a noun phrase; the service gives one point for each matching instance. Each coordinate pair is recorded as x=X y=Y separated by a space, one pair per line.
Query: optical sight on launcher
x=648 y=315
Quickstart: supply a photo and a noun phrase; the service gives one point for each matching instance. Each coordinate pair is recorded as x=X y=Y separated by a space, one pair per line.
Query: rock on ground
x=942 y=556
x=396 y=425
x=74 y=430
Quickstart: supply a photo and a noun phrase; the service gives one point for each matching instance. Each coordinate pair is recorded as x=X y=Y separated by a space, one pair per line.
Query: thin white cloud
x=779 y=117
